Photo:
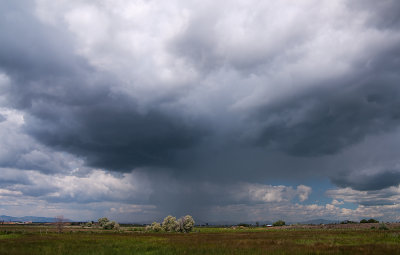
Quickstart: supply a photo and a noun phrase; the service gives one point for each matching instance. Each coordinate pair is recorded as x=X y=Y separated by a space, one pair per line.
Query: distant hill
x=28 y=218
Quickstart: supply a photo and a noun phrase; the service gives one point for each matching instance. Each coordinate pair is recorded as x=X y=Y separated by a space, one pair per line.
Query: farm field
x=43 y=239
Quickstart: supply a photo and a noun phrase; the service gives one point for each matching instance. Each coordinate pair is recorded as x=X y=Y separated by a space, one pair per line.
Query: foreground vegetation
x=44 y=239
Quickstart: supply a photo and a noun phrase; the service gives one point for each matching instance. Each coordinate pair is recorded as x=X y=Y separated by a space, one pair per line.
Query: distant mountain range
x=29 y=218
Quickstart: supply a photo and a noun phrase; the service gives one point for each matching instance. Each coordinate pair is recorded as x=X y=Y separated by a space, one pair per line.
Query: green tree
x=279 y=223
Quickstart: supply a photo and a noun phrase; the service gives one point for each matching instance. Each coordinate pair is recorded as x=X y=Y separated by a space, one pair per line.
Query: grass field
x=75 y=240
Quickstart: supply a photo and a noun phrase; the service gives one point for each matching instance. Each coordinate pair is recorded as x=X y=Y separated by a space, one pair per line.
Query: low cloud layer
x=210 y=102
x=388 y=196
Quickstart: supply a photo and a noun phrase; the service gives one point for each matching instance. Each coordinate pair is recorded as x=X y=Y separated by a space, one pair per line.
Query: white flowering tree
x=156 y=227
x=170 y=224
x=188 y=223
x=185 y=224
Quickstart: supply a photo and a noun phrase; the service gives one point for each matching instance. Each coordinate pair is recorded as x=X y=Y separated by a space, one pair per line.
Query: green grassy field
x=75 y=240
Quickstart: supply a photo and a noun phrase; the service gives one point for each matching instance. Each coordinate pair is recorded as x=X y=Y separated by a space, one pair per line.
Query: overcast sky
x=239 y=110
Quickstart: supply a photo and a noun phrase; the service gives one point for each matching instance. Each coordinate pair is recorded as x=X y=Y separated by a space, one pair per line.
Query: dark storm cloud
x=39 y=60
x=367 y=181
x=112 y=134
x=327 y=121
x=322 y=120
x=72 y=111
x=197 y=44
x=384 y=14
x=20 y=151
x=2 y=118
x=30 y=49
x=200 y=43
x=71 y=107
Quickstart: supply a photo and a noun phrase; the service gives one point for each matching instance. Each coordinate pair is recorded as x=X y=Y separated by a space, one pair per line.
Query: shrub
x=103 y=221
x=369 y=221
x=107 y=224
x=116 y=226
x=279 y=223
x=347 y=222
x=382 y=226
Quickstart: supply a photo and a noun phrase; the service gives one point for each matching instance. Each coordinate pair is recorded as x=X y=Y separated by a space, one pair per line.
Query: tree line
x=169 y=224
